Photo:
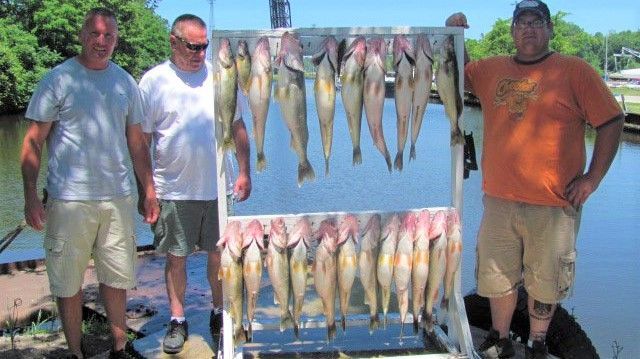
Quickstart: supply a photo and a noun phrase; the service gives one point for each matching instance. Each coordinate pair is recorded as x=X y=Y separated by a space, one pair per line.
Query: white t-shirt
x=88 y=157
x=178 y=112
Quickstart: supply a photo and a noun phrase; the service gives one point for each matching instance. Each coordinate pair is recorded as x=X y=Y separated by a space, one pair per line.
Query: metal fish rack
x=457 y=342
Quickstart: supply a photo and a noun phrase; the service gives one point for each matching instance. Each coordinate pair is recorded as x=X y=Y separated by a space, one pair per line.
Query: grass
x=633 y=107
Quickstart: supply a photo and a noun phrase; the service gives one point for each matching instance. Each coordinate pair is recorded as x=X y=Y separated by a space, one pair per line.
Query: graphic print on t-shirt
x=516 y=94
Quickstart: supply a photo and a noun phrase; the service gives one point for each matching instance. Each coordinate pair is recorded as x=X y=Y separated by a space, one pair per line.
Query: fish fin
x=261 y=162
x=331 y=331
x=357 y=156
x=412 y=152
x=305 y=172
x=398 y=161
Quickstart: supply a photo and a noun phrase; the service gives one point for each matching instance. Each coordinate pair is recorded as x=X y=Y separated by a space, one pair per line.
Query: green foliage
x=35 y=35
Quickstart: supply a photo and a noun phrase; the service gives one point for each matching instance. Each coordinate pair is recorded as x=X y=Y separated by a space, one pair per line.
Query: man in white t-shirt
x=177 y=98
x=88 y=110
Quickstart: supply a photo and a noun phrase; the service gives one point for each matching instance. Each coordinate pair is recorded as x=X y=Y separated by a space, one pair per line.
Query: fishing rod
x=9 y=237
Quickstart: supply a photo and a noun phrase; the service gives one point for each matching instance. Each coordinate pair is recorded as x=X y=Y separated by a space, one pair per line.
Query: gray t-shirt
x=87 y=145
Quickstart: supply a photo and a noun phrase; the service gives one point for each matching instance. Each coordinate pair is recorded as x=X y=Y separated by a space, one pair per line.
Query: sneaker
x=177 y=334
x=127 y=353
x=215 y=323
x=538 y=351
x=495 y=347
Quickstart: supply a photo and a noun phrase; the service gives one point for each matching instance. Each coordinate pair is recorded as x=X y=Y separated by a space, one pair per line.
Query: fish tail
x=343 y=322
x=401 y=329
x=387 y=159
x=240 y=336
x=416 y=325
x=331 y=331
x=444 y=304
x=357 y=156
x=305 y=172
x=261 y=162
x=412 y=152
x=326 y=167
x=398 y=161
x=296 y=330
x=374 y=322
x=285 y=321
x=250 y=333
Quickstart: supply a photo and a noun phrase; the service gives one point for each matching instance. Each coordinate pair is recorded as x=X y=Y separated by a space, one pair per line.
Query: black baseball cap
x=534 y=6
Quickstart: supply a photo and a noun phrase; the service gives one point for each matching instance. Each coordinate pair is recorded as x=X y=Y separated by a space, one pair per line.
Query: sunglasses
x=192 y=46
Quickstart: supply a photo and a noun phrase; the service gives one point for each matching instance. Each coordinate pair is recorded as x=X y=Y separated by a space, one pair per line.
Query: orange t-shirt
x=534 y=123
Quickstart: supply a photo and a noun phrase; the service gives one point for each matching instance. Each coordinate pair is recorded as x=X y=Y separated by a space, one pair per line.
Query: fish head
x=376 y=53
x=356 y=52
x=348 y=229
x=423 y=46
x=453 y=220
x=242 y=49
x=402 y=48
x=328 y=50
x=438 y=225
x=372 y=230
x=301 y=231
x=327 y=234
x=232 y=238
x=225 y=56
x=409 y=224
x=278 y=233
x=423 y=224
x=290 y=54
x=262 y=53
x=253 y=232
x=392 y=226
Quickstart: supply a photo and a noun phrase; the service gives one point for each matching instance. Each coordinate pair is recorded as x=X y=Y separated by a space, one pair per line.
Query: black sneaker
x=177 y=334
x=538 y=351
x=495 y=347
x=215 y=323
x=127 y=353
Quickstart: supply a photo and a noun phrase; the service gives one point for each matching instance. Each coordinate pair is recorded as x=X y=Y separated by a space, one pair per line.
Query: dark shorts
x=186 y=226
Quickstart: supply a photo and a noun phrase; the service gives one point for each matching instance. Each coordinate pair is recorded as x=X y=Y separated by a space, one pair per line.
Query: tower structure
x=280 y=13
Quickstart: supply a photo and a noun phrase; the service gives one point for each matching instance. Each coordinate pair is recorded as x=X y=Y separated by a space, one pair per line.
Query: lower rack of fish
x=315 y=260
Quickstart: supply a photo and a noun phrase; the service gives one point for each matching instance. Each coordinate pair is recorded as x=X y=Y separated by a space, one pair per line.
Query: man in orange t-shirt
x=535 y=105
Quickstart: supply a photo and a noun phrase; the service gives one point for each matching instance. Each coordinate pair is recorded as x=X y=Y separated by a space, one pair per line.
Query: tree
x=46 y=32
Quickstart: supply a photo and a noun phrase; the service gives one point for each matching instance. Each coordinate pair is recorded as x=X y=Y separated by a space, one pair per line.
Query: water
x=608 y=271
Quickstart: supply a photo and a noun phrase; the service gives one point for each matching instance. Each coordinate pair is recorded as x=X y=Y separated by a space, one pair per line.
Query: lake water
x=608 y=268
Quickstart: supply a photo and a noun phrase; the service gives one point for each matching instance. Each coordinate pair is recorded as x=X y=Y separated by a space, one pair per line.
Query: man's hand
x=579 y=190
x=151 y=209
x=242 y=187
x=458 y=19
x=34 y=213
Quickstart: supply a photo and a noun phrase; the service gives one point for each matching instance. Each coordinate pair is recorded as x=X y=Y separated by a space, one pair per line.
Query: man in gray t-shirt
x=88 y=110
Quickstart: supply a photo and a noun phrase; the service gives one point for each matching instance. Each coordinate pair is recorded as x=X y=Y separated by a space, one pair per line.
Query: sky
x=591 y=15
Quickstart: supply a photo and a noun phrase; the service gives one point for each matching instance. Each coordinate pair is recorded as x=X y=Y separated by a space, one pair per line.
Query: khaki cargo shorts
x=184 y=227
x=77 y=231
x=522 y=242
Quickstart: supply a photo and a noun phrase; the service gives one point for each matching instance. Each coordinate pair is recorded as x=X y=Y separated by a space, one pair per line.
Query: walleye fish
x=352 y=80
x=230 y=273
x=226 y=92
x=253 y=244
x=290 y=92
x=326 y=61
x=384 y=266
x=277 y=261
x=347 y=263
x=243 y=64
x=437 y=264
x=420 y=267
x=325 y=273
x=422 y=88
x=447 y=82
x=374 y=72
x=299 y=242
x=403 y=62
x=367 y=262
x=259 y=96
x=402 y=265
x=454 y=251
